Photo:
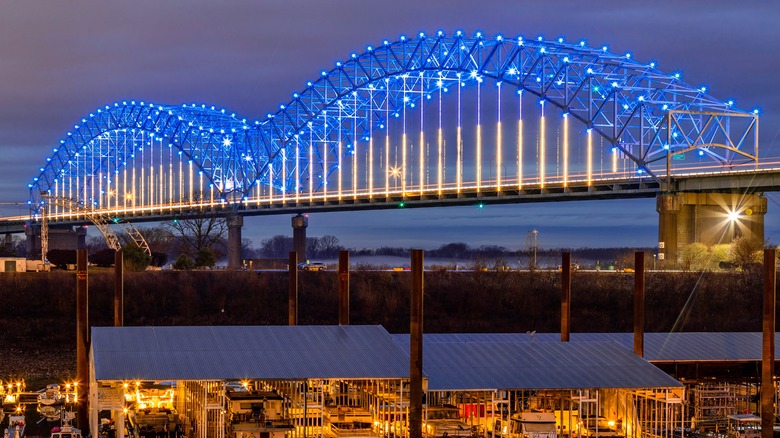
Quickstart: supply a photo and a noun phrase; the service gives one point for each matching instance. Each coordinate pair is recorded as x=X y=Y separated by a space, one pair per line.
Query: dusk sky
x=60 y=60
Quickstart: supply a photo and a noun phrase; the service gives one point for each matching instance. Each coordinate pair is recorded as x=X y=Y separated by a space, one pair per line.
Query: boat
x=15 y=428
x=66 y=431
x=51 y=395
x=50 y=412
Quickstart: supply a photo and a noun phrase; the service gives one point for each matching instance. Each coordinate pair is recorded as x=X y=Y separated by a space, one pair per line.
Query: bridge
x=428 y=120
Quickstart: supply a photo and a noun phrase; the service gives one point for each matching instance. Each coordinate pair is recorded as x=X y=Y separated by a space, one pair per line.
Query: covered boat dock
x=353 y=381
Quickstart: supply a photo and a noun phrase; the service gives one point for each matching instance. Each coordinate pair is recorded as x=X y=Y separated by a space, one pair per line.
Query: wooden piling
x=292 y=301
x=343 y=287
x=768 y=345
x=639 y=303
x=416 y=346
x=565 y=296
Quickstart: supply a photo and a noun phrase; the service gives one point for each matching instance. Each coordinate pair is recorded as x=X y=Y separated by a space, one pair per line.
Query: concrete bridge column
x=9 y=241
x=234 y=223
x=299 y=224
x=32 y=234
x=708 y=218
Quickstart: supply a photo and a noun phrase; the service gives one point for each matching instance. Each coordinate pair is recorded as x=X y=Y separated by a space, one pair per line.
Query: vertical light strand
x=201 y=195
x=479 y=135
x=133 y=184
x=170 y=176
x=459 y=140
x=142 y=201
x=519 y=139
x=339 y=152
x=498 y=141
x=387 y=139
x=324 y=154
x=284 y=174
x=191 y=189
x=371 y=143
x=297 y=168
x=542 y=145
x=181 y=179
x=565 y=149
x=270 y=184
x=589 y=157
x=355 y=147
x=403 y=142
x=439 y=143
x=311 y=163
x=614 y=159
x=422 y=134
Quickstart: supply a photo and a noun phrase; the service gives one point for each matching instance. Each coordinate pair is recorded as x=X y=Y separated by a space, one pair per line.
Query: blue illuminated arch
x=645 y=113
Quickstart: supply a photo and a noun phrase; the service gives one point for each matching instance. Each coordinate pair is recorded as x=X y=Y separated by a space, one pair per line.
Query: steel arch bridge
x=429 y=117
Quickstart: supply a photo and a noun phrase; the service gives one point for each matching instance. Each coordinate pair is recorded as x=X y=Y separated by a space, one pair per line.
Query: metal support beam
x=343 y=287
x=768 y=344
x=292 y=300
x=639 y=303
x=82 y=340
x=565 y=296
x=416 y=347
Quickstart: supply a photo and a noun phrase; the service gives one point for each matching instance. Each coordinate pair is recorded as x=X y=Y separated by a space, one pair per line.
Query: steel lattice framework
x=339 y=129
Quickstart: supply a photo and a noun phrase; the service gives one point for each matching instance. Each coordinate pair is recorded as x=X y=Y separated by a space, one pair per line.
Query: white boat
x=51 y=395
x=15 y=428
x=66 y=431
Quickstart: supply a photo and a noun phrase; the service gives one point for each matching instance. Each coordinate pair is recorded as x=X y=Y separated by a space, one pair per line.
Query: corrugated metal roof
x=659 y=347
x=240 y=352
x=477 y=362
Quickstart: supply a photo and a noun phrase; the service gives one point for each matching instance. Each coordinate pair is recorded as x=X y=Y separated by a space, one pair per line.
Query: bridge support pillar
x=32 y=233
x=9 y=241
x=708 y=218
x=234 y=223
x=299 y=224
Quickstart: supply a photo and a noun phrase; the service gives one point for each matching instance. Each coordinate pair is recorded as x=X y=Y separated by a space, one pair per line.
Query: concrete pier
x=708 y=218
x=299 y=224
x=234 y=224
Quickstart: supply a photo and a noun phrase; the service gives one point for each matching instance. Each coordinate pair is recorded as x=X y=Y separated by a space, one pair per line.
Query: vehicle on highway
x=312 y=266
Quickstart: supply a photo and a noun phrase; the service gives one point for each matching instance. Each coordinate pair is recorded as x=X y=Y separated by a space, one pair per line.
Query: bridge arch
x=341 y=129
x=624 y=101
x=99 y=148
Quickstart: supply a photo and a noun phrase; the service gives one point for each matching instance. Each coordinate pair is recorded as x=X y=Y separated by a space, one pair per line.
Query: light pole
x=532 y=239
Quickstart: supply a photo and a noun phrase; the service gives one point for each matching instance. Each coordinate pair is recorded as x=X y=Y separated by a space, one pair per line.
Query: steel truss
x=646 y=114
x=101 y=220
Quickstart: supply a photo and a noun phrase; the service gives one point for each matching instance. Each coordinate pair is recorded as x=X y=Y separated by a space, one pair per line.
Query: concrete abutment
x=708 y=218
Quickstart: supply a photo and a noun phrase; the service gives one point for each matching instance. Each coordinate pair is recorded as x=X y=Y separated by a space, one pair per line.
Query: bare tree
x=200 y=230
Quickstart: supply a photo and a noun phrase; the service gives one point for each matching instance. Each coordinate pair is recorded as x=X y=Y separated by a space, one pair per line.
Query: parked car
x=312 y=266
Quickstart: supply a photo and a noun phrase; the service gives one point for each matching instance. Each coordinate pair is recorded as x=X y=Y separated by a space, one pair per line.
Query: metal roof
x=241 y=352
x=659 y=347
x=486 y=362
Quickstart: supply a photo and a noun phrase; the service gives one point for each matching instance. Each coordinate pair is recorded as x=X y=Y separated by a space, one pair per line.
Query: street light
x=733 y=217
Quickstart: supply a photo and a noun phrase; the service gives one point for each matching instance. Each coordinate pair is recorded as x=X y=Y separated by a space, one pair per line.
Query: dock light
x=733 y=216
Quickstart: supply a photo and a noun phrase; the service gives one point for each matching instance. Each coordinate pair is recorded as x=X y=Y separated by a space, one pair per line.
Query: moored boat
x=65 y=431
x=15 y=428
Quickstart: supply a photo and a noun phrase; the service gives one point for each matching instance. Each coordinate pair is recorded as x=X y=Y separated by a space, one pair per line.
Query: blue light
x=701 y=152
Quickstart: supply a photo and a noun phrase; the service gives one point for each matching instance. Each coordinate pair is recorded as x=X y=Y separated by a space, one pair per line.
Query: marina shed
x=587 y=385
x=309 y=366
x=350 y=381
